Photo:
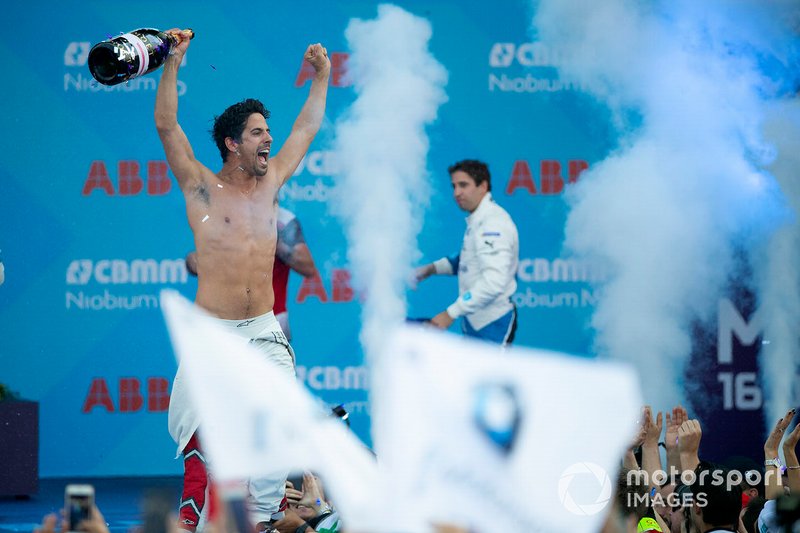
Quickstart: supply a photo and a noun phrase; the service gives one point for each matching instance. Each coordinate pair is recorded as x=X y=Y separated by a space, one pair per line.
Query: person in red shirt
x=292 y=253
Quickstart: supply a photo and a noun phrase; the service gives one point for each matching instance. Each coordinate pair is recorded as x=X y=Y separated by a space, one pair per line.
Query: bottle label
x=141 y=52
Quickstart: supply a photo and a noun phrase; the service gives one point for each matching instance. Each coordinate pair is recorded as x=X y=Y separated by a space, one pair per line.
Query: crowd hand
x=95 y=524
x=774 y=439
x=317 y=56
x=313 y=497
x=673 y=423
x=689 y=435
x=638 y=439
x=49 y=525
x=773 y=484
x=290 y=522
x=442 y=321
x=293 y=496
x=790 y=444
x=629 y=459
x=790 y=458
x=651 y=428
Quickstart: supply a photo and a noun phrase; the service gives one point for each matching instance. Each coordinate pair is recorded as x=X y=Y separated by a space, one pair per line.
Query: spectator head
x=716 y=502
x=749 y=515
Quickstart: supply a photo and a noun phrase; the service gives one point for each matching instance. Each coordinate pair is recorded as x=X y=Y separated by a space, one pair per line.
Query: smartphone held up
x=78 y=504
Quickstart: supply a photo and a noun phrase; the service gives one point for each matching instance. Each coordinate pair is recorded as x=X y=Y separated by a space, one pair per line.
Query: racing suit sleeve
x=447 y=265
x=494 y=245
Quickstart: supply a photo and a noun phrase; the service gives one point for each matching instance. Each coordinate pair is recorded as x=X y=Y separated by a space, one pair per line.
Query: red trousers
x=196 y=487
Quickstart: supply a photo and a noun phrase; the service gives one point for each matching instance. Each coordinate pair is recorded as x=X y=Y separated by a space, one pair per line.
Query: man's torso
x=235 y=237
x=492 y=224
x=490 y=247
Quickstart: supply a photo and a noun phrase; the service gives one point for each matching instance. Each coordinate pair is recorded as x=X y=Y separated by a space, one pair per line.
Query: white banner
x=523 y=440
x=255 y=419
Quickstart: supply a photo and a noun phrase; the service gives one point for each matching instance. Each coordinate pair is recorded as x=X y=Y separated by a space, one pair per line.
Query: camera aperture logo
x=584 y=489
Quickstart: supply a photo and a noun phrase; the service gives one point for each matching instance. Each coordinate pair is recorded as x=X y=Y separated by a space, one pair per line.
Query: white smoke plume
x=382 y=148
x=778 y=272
x=683 y=192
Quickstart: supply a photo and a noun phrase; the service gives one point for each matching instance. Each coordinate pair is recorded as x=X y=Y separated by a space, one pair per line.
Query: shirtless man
x=233 y=216
x=291 y=253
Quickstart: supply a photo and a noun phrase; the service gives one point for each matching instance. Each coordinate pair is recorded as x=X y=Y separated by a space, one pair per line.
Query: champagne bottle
x=130 y=55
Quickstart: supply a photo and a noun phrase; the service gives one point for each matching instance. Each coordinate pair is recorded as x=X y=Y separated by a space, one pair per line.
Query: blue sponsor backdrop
x=91 y=228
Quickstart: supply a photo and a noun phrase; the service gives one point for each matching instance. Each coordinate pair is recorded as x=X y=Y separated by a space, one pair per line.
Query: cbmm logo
x=79 y=272
x=502 y=54
x=76 y=54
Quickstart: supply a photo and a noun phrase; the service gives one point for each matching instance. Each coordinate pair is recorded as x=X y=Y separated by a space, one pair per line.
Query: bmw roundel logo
x=497 y=414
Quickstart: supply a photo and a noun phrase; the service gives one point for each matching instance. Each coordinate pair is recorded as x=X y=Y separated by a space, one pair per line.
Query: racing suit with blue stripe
x=487 y=268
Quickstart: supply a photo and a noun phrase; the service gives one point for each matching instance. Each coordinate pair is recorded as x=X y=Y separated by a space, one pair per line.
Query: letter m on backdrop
x=732 y=323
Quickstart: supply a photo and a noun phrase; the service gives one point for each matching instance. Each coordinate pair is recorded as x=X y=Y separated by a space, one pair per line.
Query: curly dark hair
x=232 y=121
x=477 y=170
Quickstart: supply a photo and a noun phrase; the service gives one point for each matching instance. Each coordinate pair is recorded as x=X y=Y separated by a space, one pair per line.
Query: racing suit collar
x=482 y=207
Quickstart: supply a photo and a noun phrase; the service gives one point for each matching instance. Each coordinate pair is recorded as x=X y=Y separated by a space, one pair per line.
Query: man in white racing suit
x=487 y=263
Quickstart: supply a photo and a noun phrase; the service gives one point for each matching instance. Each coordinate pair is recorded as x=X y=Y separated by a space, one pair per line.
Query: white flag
x=256 y=420
x=524 y=440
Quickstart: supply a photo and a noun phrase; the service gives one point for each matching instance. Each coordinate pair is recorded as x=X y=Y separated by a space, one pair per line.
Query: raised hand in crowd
x=651 y=459
x=629 y=461
x=293 y=495
x=689 y=434
x=313 y=503
x=95 y=524
x=292 y=522
x=672 y=424
x=652 y=427
x=49 y=525
x=773 y=484
x=309 y=507
x=790 y=457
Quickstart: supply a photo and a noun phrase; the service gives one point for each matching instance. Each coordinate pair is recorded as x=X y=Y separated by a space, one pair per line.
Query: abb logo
x=338 y=71
x=551 y=177
x=130 y=398
x=341 y=291
x=526 y=54
x=129 y=179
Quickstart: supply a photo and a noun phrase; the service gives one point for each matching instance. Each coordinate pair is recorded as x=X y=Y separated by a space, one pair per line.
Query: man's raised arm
x=176 y=146
x=310 y=118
